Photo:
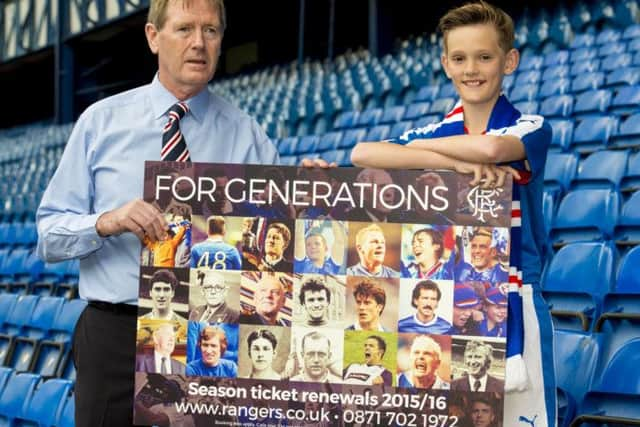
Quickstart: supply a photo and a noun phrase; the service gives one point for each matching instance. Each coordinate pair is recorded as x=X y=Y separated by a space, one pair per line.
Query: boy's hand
x=487 y=175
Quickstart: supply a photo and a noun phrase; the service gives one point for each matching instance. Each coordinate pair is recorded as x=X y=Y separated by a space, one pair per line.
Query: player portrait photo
x=161 y=357
x=217 y=351
x=428 y=252
x=426 y=306
x=316 y=355
x=215 y=242
x=219 y=204
x=485 y=255
x=265 y=298
x=267 y=245
x=263 y=351
x=214 y=296
x=374 y=250
x=319 y=301
x=372 y=304
x=478 y=364
x=320 y=247
x=424 y=361
x=369 y=358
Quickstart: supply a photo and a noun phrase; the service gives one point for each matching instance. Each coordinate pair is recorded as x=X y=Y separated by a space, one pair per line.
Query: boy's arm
x=475 y=148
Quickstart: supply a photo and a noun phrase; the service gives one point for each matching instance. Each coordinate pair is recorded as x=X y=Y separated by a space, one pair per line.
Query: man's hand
x=317 y=163
x=137 y=217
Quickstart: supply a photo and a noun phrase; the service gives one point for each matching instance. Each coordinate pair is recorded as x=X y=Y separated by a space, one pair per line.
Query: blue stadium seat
x=602 y=169
x=613 y=48
x=623 y=302
x=392 y=115
x=351 y=137
x=559 y=170
x=634 y=45
x=527 y=107
x=416 y=110
x=608 y=409
x=287 y=146
x=20 y=315
x=556 y=72
x=378 y=133
x=584 y=66
x=558 y=86
x=558 y=57
x=531 y=77
x=400 y=128
x=16 y=396
x=329 y=141
x=47 y=402
x=368 y=118
x=631 y=32
x=346 y=120
x=284 y=160
x=66 y=418
x=615 y=61
x=592 y=102
x=562 y=134
x=548 y=210
x=626 y=100
x=507 y=82
x=7 y=302
x=447 y=90
x=427 y=120
x=585 y=215
x=627 y=231
x=619 y=375
x=593 y=133
x=636 y=60
x=582 y=54
x=582 y=41
x=557 y=106
x=588 y=81
x=623 y=77
x=442 y=106
x=525 y=92
x=427 y=94
x=578 y=277
x=574 y=352
x=307 y=145
x=607 y=36
x=631 y=180
x=531 y=62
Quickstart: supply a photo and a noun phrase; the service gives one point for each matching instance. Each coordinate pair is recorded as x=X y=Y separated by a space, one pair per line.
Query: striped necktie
x=174 y=147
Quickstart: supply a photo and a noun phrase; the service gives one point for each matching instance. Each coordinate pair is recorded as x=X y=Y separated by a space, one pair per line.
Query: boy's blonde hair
x=479 y=12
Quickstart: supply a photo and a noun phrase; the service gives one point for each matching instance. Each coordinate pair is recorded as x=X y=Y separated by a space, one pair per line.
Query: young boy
x=486 y=136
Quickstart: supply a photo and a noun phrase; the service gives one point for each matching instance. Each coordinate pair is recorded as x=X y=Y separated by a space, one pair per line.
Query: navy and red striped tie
x=174 y=147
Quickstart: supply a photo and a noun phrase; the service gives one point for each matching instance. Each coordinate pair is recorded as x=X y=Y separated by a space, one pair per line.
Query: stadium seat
x=631 y=32
x=378 y=133
x=582 y=54
x=527 y=107
x=427 y=120
x=626 y=100
x=287 y=146
x=507 y=82
x=560 y=170
x=447 y=90
x=531 y=62
x=613 y=48
x=578 y=277
x=530 y=77
x=631 y=180
x=548 y=210
x=553 y=87
x=392 y=115
x=574 y=352
x=47 y=403
x=634 y=45
x=623 y=302
x=558 y=57
x=586 y=215
x=623 y=77
x=593 y=133
x=559 y=106
x=307 y=145
x=442 y=106
x=524 y=92
x=369 y=118
x=555 y=72
x=585 y=40
x=66 y=418
x=346 y=120
x=602 y=169
x=351 y=137
x=587 y=81
x=615 y=61
x=427 y=94
x=592 y=102
x=562 y=134
x=416 y=110
x=607 y=36
x=16 y=396
x=400 y=128
x=627 y=231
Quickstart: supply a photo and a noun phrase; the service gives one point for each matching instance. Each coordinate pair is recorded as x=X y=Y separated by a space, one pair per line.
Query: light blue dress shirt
x=102 y=168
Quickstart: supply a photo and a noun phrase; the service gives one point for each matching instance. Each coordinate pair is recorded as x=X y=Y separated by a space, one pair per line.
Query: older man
x=160 y=361
x=425 y=357
x=316 y=356
x=215 y=289
x=478 y=357
x=269 y=297
x=92 y=209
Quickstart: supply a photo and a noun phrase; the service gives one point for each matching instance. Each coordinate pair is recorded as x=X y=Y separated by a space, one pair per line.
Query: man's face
x=161 y=295
x=496 y=313
x=269 y=296
x=214 y=289
x=372 y=352
x=476 y=69
x=424 y=360
x=164 y=340
x=316 y=356
x=316 y=304
x=423 y=248
x=476 y=362
x=211 y=351
x=316 y=248
x=482 y=254
x=461 y=315
x=368 y=310
x=274 y=243
x=261 y=353
x=482 y=414
x=187 y=45
x=372 y=249
x=427 y=303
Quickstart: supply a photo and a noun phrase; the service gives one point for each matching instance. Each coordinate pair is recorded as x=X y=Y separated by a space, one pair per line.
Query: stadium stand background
x=349 y=70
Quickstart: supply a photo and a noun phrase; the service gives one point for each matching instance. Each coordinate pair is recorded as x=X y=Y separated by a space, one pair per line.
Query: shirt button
x=93 y=242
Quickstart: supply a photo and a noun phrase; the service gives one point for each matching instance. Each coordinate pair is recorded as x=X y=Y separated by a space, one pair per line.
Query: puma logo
x=531 y=422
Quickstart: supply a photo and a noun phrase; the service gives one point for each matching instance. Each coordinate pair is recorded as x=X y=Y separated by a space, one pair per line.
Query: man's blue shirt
x=438 y=326
x=307 y=266
x=224 y=368
x=465 y=272
x=215 y=254
x=102 y=168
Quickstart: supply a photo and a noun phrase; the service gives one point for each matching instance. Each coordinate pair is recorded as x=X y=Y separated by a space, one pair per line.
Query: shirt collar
x=162 y=100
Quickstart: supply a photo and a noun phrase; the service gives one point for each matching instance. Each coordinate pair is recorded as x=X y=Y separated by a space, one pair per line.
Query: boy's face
x=476 y=64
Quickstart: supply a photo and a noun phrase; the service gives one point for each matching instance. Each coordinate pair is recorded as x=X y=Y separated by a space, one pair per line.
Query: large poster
x=287 y=296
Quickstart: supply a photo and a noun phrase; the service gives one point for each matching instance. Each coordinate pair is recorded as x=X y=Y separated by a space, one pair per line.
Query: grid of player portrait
x=325 y=301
